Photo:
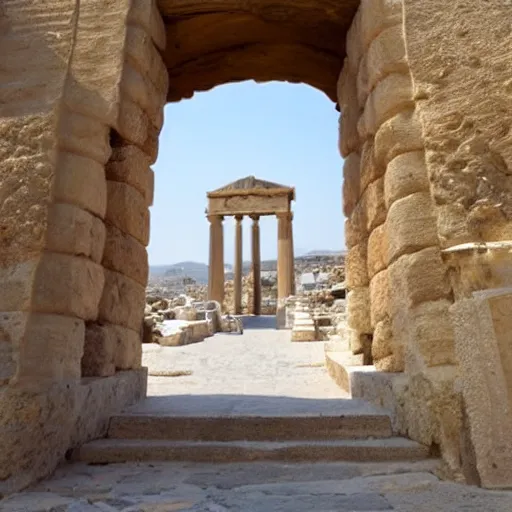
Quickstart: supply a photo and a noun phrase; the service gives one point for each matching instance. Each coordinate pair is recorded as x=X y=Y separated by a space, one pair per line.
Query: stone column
x=216 y=268
x=238 y=264
x=283 y=266
x=256 y=265
x=292 y=258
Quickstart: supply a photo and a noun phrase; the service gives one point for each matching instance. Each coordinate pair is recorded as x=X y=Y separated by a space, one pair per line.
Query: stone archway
x=426 y=136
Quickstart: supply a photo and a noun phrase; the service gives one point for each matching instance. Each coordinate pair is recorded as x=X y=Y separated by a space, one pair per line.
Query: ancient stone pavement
x=233 y=374
x=260 y=373
x=253 y=487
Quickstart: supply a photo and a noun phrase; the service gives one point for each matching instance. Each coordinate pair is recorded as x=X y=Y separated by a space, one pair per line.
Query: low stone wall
x=32 y=445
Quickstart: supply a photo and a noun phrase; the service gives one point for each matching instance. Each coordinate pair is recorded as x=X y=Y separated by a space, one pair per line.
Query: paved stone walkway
x=253 y=487
x=260 y=372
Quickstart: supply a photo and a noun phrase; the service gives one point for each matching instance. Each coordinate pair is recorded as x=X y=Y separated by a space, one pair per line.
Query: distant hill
x=193 y=269
x=323 y=253
x=199 y=271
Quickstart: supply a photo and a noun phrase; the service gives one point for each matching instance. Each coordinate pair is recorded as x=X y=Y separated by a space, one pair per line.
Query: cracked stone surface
x=254 y=487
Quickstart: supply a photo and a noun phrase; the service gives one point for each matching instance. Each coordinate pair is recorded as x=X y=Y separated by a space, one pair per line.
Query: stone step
x=341 y=367
x=249 y=428
x=303 y=322
x=106 y=451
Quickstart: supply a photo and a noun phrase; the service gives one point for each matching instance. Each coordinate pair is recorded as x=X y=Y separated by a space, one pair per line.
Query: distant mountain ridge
x=323 y=253
x=199 y=271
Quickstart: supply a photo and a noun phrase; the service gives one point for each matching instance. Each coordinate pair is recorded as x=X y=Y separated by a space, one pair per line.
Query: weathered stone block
x=358 y=344
x=175 y=339
x=356 y=267
x=17 y=282
x=133 y=123
x=141 y=91
x=391 y=95
x=146 y=58
x=411 y=225
x=146 y=15
x=380 y=296
x=122 y=302
x=109 y=347
x=431 y=331
x=358 y=310
x=355 y=226
x=51 y=348
x=375 y=206
x=419 y=277
x=482 y=326
x=81 y=181
x=127 y=210
x=129 y=349
x=370 y=169
x=347 y=99
x=99 y=351
x=124 y=254
x=96 y=61
x=68 y=285
x=74 y=231
x=150 y=146
x=452 y=225
x=388 y=364
x=377 y=15
x=26 y=180
x=491 y=222
x=351 y=183
x=405 y=175
x=385 y=56
x=84 y=135
x=400 y=134
x=355 y=49
x=382 y=344
x=377 y=250
x=12 y=330
x=130 y=165
x=362 y=82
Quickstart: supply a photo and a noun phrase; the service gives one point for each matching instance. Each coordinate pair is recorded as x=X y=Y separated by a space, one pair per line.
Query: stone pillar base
x=281 y=315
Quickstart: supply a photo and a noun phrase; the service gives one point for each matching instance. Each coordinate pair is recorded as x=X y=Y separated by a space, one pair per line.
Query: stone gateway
x=254 y=198
x=425 y=94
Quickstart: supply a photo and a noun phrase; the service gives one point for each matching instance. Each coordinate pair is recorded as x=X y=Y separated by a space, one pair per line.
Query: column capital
x=255 y=217
x=215 y=218
x=239 y=218
x=285 y=215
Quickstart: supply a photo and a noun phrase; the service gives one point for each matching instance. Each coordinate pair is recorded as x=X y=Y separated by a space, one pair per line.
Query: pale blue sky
x=279 y=132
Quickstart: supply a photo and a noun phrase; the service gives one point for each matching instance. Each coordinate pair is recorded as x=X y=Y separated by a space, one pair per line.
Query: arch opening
x=298 y=42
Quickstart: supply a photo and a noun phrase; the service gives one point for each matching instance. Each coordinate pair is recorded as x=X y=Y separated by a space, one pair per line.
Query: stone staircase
x=359 y=435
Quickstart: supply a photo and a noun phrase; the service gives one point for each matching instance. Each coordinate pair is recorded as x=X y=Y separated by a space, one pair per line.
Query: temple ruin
x=252 y=198
x=425 y=96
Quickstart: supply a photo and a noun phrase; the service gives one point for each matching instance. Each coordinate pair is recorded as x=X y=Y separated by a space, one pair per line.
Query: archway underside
x=213 y=43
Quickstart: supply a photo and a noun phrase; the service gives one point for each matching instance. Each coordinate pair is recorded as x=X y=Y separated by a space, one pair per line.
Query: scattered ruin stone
x=232 y=324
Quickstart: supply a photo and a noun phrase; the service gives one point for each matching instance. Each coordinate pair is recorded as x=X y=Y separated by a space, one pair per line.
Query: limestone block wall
x=459 y=57
x=29 y=121
x=397 y=278
x=58 y=287
x=114 y=341
x=400 y=294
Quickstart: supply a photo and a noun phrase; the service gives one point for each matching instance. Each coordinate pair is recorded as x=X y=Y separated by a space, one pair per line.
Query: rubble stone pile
x=183 y=320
